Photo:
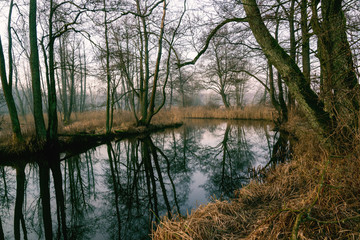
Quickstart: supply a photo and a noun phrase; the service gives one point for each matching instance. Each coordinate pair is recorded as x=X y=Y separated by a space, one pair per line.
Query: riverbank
x=256 y=112
x=93 y=122
x=87 y=129
x=314 y=196
x=75 y=143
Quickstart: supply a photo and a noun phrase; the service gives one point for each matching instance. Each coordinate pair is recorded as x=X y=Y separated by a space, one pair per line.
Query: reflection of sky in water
x=198 y=190
x=195 y=162
x=210 y=138
x=213 y=138
x=197 y=194
x=259 y=147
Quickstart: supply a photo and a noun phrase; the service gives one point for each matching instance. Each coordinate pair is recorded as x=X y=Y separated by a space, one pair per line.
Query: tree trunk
x=52 y=101
x=237 y=92
x=59 y=194
x=21 y=100
x=84 y=92
x=171 y=91
x=19 y=202
x=82 y=81
x=15 y=123
x=44 y=178
x=2 y=236
x=291 y=100
x=108 y=76
x=115 y=185
x=157 y=67
x=273 y=99
x=224 y=99
x=340 y=85
x=64 y=96
x=144 y=66
x=263 y=99
x=293 y=77
x=71 y=87
x=181 y=88
x=281 y=98
x=305 y=50
x=35 y=74
x=7 y=83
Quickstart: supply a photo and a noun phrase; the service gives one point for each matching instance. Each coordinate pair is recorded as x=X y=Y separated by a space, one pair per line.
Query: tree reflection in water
x=18 y=212
x=119 y=190
x=228 y=167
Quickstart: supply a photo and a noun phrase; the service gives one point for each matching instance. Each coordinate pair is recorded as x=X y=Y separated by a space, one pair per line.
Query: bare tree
x=83 y=76
x=7 y=82
x=17 y=136
x=336 y=64
x=52 y=100
x=147 y=106
x=140 y=57
x=223 y=71
x=108 y=74
x=35 y=74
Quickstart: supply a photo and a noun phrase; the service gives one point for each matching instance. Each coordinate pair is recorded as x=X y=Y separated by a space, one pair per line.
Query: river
x=118 y=190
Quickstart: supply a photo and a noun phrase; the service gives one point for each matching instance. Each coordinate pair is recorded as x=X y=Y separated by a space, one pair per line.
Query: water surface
x=117 y=190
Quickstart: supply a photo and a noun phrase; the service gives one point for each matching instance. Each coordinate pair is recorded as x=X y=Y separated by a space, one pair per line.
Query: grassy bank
x=248 y=113
x=93 y=122
x=315 y=196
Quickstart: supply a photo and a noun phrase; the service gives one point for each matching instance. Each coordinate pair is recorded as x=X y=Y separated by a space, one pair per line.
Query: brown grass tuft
x=216 y=220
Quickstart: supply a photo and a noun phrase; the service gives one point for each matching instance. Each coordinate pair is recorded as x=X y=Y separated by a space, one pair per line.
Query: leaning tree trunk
x=7 y=83
x=291 y=73
x=224 y=99
x=15 y=124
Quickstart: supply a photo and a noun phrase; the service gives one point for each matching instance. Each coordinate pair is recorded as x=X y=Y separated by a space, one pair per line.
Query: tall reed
x=94 y=121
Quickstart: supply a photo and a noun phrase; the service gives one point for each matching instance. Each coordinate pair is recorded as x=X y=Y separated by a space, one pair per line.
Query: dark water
x=117 y=190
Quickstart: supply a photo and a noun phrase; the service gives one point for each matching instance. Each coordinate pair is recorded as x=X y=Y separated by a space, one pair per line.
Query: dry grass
x=315 y=196
x=249 y=112
x=94 y=121
x=217 y=220
x=27 y=128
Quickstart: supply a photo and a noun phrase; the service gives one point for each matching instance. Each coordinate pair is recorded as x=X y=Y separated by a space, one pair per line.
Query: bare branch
x=210 y=36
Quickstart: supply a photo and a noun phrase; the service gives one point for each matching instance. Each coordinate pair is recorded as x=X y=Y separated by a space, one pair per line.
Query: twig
x=295 y=229
x=333 y=221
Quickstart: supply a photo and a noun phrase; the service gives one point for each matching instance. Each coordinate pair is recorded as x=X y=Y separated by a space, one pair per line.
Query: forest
x=92 y=71
x=62 y=54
